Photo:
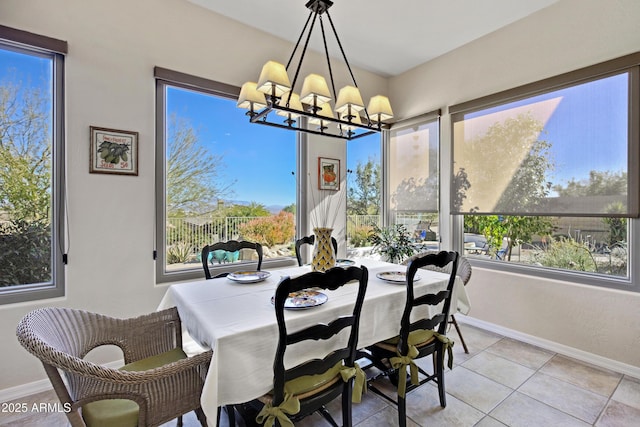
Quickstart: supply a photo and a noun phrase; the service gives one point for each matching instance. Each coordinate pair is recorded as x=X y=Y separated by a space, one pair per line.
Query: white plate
x=303 y=299
x=395 y=276
x=248 y=276
x=344 y=262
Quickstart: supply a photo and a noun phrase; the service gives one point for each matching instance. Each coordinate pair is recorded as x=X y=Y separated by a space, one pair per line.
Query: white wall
x=563 y=37
x=113 y=47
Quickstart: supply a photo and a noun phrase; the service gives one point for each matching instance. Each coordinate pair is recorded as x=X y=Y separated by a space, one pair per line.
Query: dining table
x=236 y=319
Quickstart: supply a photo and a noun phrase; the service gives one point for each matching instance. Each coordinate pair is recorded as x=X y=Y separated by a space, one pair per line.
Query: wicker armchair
x=158 y=376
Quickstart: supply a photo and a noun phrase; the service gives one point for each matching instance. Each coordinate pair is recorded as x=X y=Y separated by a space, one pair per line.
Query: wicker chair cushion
x=111 y=412
x=156 y=361
x=123 y=412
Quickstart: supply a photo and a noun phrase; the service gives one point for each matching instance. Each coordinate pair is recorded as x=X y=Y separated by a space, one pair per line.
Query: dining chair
x=464 y=273
x=307 y=387
x=421 y=337
x=157 y=383
x=310 y=240
x=227 y=248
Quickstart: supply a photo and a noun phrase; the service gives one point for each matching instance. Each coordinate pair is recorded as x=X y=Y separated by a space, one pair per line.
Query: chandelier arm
x=346 y=61
x=304 y=51
x=326 y=52
x=298 y=42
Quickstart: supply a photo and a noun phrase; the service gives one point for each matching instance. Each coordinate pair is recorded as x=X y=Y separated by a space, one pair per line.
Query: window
x=364 y=207
x=413 y=160
x=547 y=174
x=219 y=178
x=31 y=166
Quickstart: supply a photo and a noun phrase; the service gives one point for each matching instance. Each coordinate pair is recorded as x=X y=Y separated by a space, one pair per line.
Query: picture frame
x=113 y=151
x=328 y=174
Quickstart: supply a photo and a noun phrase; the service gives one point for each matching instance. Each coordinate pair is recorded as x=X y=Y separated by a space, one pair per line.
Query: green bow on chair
x=269 y=413
x=400 y=362
x=359 y=385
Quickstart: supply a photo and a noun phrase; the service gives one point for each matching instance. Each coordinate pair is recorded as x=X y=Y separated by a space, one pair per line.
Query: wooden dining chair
x=228 y=247
x=310 y=240
x=157 y=383
x=301 y=390
x=419 y=338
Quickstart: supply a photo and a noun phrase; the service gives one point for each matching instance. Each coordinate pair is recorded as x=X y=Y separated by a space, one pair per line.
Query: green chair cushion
x=123 y=412
x=156 y=361
x=416 y=337
x=307 y=383
x=111 y=412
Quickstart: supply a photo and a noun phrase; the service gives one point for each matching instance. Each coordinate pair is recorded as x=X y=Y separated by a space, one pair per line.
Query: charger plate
x=248 y=276
x=303 y=299
x=395 y=276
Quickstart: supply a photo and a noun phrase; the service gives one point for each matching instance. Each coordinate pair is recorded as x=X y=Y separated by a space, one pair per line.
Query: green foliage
x=617 y=226
x=178 y=253
x=270 y=231
x=25 y=152
x=363 y=197
x=290 y=208
x=567 y=254
x=599 y=184
x=392 y=242
x=25 y=252
x=361 y=236
x=252 y=209
x=517 y=229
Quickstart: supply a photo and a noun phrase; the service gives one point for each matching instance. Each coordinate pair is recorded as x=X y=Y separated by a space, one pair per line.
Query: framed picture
x=113 y=151
x=328 y=174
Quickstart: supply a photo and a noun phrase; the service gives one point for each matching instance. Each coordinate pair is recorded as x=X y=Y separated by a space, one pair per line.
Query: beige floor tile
x=628 y=392
x=370 y=404
x=423 y=407
x=618 y=414
x=499 y=369
x=519 y=410
x=580 y=403
x=477 y=340
x=387 y=417
x=474 y=389
x=583 y=375
x=525 y=354
x=489 y=422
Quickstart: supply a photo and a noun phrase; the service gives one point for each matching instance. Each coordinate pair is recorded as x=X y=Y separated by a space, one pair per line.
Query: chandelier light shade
x=250 y=97
x=274 y=80
x=274 y=93
x=379 y=109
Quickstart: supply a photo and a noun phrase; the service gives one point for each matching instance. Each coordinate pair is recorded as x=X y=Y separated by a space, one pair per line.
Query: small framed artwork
x=113 y=151
x=328 y=174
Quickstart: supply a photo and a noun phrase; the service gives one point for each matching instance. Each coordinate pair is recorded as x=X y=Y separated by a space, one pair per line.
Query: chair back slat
x=321 y=331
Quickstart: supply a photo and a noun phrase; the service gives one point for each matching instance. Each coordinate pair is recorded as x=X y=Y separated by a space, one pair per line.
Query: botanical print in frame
x=113 y=151
x=328 y=174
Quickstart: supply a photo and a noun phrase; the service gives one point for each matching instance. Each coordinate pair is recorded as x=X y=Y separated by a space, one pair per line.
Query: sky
x=586 y=129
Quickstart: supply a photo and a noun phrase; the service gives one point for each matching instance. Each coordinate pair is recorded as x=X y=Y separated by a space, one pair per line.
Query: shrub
x=361 y=236
x=25 y=252
x=271 y=230
x=178 y=253
x=566 y=253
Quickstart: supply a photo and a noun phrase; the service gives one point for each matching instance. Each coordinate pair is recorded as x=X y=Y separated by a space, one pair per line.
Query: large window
x=219 y=178
x=547 y=174
x=414 y=186
x=31 y=160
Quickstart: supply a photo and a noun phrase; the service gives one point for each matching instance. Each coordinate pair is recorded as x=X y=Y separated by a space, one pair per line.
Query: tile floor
x=502 y=382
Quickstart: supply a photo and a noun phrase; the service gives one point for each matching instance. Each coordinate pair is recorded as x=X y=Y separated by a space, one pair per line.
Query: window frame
x=629 y=63
x=34 y=44
x=169 y=78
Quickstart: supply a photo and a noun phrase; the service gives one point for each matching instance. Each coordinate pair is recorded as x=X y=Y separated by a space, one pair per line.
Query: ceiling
x=380 y=36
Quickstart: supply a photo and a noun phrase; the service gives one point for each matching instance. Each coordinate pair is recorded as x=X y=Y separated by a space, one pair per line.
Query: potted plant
x=393 y=243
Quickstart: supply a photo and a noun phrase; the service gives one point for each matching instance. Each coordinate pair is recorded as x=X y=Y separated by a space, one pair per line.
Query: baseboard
x=23 y=390
x=584 y=356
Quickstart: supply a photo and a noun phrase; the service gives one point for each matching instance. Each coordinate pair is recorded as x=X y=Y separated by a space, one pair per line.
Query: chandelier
x=273 y=93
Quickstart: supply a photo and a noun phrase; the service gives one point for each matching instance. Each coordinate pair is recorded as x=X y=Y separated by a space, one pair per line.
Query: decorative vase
x=323 y=256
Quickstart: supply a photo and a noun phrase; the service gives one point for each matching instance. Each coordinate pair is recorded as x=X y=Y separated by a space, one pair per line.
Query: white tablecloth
x=238 y=322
